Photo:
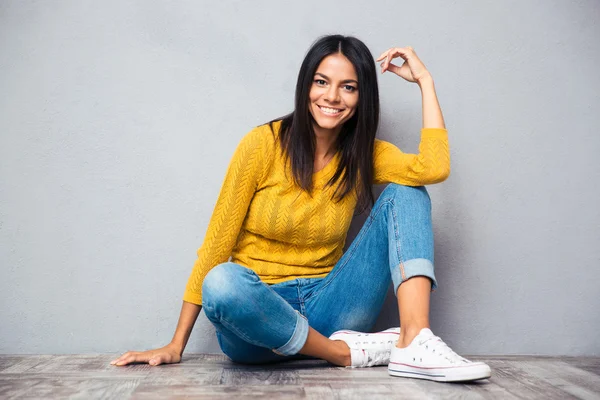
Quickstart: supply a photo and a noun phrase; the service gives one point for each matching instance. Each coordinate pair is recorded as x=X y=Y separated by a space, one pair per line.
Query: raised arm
x=432 y=164
x=432 y=113
x=413 y=70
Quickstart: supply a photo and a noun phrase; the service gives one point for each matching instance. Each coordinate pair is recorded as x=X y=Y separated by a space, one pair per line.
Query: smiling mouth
x=329 y=110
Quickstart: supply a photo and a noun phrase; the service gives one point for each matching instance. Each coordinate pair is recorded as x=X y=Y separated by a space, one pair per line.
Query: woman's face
x=333 y=95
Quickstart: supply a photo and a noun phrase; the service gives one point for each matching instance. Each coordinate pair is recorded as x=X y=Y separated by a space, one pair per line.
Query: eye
x=320 y=82
x=349 y=88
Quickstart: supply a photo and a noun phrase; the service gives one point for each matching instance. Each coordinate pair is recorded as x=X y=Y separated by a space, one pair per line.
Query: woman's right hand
x=170 y=354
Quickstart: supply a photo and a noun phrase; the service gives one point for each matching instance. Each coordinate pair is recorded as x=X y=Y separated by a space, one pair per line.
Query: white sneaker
x=368 y=349
x=428 y=357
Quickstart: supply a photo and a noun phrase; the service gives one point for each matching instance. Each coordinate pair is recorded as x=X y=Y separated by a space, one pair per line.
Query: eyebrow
x=344 y=81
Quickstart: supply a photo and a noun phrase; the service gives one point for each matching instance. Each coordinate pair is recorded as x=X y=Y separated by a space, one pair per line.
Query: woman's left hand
x=412 y=69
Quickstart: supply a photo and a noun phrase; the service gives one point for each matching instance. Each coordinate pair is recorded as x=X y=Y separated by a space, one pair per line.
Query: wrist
x=424 y=79
x=178 y=347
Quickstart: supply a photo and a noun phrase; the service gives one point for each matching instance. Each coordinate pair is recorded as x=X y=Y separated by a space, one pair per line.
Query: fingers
x=157 y=360
x=130 y=357
x=395 y=51
x=118 y=359
x=394 y=68
x=123 y=360
x=384 y=54
x=151 y=357
x=387 y=56
x=411 y=67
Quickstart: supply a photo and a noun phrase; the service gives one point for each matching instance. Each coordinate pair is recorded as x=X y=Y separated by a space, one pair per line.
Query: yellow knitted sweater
x=264 y=222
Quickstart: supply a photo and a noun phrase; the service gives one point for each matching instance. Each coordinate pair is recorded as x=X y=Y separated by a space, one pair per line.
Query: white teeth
x=330 y=110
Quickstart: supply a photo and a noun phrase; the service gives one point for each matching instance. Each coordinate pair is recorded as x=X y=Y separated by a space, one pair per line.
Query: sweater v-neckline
x=330 y=164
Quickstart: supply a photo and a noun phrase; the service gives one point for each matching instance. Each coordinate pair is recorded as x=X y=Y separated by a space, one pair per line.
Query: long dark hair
x=357 y=136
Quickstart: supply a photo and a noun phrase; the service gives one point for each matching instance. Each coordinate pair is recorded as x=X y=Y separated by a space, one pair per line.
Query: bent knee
x=221 y=281
x=403 y=191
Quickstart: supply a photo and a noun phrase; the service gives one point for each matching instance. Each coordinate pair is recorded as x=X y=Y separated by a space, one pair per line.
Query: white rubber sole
x=451 y=374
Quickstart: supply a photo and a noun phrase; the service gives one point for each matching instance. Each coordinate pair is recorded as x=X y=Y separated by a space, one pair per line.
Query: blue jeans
x=261 y=323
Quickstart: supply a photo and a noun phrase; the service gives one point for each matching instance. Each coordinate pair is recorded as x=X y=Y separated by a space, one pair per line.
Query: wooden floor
x=214 y=376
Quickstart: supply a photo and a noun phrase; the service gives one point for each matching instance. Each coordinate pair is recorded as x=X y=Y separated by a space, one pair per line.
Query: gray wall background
x=118 y=120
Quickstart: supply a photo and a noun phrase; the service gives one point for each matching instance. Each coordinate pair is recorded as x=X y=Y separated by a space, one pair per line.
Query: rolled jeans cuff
x=411 y=268
x=298 y=338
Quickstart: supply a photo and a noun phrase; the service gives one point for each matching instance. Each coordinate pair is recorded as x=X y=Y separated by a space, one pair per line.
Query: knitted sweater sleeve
x=246 y=169
x=431 y=165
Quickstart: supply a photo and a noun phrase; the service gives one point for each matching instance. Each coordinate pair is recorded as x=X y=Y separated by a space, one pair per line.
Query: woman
x=282 y=216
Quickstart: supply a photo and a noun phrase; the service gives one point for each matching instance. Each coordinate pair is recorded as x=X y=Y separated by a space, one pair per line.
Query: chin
x=328 y=126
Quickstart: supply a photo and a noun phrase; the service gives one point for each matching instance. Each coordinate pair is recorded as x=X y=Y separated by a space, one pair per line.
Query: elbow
x=438 y=174
x=444 y=173
x=432 y=170
x=441 y=170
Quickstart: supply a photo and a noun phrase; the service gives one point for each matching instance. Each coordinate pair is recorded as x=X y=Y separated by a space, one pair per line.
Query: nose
x=332 y=94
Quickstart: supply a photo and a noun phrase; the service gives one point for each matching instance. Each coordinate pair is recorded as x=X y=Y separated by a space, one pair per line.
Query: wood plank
x=254 y=376
x=454 y=391
x=350 y=390
x=164 y=376
x=7 y=361
x=579 y=383
x=374 y=375
x=273 y=392
x=26 y=363
x=481 y=389
x=519 y=382
x=215 y=376
x=86 y=363
x=43 y=386
x=318 y=392
x=340 y=379
x=589 y=364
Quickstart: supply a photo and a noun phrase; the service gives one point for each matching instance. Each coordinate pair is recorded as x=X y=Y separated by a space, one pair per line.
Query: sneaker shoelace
x=437 y=346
